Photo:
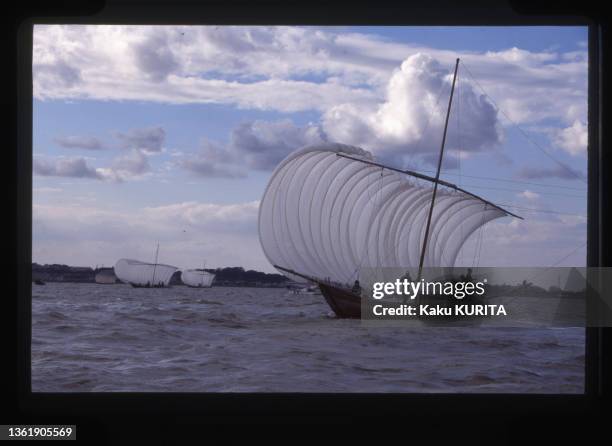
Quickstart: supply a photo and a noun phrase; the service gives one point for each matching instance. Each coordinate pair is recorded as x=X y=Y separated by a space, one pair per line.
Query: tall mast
x=155 y=264
x=435 y=189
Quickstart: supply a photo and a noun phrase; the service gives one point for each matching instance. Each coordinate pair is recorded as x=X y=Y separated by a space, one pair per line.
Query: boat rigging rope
x=558 y=261
x=546 y=211
x=459 y=91
x=434 y=108
x=539 y=272
x=523 y=132
x=478 y=244
x=508 y=180
x=520 y=190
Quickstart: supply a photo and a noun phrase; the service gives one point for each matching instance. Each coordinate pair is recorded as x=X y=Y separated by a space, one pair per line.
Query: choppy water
x=88 y=337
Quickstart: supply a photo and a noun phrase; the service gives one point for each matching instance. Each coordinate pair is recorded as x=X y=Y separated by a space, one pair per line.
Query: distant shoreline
x=224 y=277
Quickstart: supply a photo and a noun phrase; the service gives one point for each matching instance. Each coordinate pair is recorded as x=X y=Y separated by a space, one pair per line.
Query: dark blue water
x=88 y=337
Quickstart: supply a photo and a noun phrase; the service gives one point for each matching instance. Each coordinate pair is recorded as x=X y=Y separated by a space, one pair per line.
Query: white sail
x=140 y=273
x=105 y=276
x=196 y=278
x=327 y=216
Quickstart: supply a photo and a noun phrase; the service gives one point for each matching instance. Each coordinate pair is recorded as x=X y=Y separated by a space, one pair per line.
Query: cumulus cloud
x=263 y=145
x=282 y=68
x=200 y=165
x=406 y=126
x=154 y=56
x=79 y=142
x=563 y=172
x=519 y=56
x=148 y=140
x=411 y=118
x=56 y=75
x=572 y=139
x=449 y=161
x=66 y=167
x=138 y=143
x=133 y=164
x=184 y=65
x=258 y=145
x=130 y=166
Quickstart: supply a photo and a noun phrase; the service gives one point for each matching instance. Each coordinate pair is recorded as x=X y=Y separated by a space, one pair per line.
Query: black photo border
x=309 y=406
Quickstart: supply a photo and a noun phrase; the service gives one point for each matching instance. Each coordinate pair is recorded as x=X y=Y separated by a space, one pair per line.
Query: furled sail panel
x=197 y=278
x=140 y=273
x=327 y=216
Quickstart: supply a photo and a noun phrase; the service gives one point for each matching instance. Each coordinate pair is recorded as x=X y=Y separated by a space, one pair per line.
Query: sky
x=169 y=134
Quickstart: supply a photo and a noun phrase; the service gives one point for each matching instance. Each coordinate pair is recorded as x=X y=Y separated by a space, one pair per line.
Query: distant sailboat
x=144 y=275
x=105 y=276
x=197 y=278
x=331 y=209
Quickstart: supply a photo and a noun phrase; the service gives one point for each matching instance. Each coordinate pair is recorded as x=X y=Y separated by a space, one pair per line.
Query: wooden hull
x=344 y=303
x=341 y=300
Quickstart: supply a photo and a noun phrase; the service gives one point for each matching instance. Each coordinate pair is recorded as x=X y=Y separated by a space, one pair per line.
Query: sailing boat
x=144 y=275
x=197 y=278
x=331 y=209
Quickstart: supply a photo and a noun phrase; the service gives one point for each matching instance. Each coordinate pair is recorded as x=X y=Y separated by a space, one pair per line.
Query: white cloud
x=127 y=167
x=79 y=142
x=529 y=195
x=519 y=56
x=572 y=139
x=412 y=116
x=283 y=68
x=206 y=216
x=66 y=167
x=134 y=164
x=148 y=140
x=187 y=65
x=139 y=144
x=259 y=145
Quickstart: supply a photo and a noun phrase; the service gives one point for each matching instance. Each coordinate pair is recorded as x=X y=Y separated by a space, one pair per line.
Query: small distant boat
x=144 y=275
x=105 y=276
x=39 y=282
x=301 y=289
x=197 y=278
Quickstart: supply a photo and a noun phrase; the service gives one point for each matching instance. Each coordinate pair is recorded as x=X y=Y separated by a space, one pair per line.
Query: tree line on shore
x=85 y=274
